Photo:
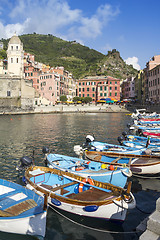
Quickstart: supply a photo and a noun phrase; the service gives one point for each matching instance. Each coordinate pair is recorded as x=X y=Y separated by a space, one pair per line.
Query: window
x=37 y=80
x=79 y=89
x=79 y=84
x=110 y=88
x=31 y=74
x=115 y=88
x=83 y=89
x=105 y=94
x=87 y=89
x=110 y=82
x=11 y=47
x=93 y=95
x=115 y=94
x=93 y=89
x=11 y=60
x=105 y=88
x=83 y=83
x=50 y=88
x=79 y=95
x=100 y=88
x=101 y=94
x=110 y=94
x=115 y=82
x=83 y=95
x=87 y=95
x=8 y=93
x=17 y=60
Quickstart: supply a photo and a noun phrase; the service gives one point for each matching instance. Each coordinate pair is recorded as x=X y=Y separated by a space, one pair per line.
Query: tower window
x=17 y=60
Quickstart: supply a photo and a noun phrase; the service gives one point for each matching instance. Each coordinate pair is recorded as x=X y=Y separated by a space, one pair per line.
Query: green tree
x=76 y=99
x=63 y=98
x=87 y=99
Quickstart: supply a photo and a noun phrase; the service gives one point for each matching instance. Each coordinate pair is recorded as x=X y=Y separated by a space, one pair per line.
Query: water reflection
x=21 y=134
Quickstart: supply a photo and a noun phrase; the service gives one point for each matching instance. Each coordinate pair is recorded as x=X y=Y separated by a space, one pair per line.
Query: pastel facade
x=99 y=87
x=128 y=88
x=154 y=84
x=49 y=84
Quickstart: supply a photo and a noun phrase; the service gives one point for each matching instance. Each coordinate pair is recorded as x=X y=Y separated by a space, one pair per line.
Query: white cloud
x=56 y=17
x=134 y=62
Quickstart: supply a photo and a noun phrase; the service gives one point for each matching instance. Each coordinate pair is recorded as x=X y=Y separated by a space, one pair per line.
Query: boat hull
x=34 y=225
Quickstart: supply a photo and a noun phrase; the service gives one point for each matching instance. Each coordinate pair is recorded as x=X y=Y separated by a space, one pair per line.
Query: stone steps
x=152 y=225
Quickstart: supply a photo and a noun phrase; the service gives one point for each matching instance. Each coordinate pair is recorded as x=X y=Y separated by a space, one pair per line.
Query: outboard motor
x=124 y=134
x=25 y=162
x=120 y=140
x=45 y=150
x=89 y=139
x=128 y=125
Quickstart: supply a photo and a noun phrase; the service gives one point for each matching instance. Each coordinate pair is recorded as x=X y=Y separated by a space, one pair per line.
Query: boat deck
x=92 y=195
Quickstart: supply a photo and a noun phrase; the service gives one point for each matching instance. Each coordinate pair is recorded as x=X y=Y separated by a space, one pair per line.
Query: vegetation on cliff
x=76 y=58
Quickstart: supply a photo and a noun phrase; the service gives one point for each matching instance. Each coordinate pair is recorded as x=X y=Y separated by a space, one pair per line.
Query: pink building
x=98 y=87
x=128 y=88
x=49 y=86
x=154 y=84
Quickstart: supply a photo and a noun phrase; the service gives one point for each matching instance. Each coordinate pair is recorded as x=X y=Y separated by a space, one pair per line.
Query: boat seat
x=92 y=194
x=53 y=189
x=19 y=208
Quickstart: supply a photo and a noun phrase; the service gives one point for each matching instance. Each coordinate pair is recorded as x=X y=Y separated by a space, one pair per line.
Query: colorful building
x=99 y=87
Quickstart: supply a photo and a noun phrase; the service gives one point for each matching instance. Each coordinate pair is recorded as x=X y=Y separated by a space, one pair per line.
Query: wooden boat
x=80 y=196
x=95 y=170
x=140 y=165
x=21 y=210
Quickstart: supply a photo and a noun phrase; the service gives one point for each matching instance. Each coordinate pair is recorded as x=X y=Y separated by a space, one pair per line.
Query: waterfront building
x=49 y=84
x=138 y=86
x=154 y=84
x=153 y=80
x=98 y=87
x=128 y=88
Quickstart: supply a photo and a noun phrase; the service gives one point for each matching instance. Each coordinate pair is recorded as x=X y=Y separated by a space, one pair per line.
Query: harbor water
x=20 y=135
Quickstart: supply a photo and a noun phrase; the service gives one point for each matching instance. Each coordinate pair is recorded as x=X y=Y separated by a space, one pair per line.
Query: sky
x=129 y=26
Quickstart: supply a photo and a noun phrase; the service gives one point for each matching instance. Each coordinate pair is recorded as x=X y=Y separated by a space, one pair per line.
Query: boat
x=136 y=138
x=83 y=197
x=90 y=143
x=143 y=113
x=154 y=146
x=153 y=134
x=147 y=165
x=22 y=211
x=96 y=170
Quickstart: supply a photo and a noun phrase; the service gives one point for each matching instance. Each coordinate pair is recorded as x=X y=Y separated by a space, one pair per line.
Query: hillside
x=76 y=58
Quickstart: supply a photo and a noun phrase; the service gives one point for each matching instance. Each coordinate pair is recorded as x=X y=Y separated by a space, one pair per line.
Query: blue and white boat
x=147 y=165
x=97 y=171
x=100 y=146
x=80 y=196
x=136 y=138
x=22 y=211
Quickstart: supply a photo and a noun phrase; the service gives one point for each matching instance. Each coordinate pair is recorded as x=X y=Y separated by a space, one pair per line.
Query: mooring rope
x=95 y=229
